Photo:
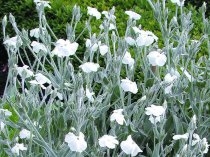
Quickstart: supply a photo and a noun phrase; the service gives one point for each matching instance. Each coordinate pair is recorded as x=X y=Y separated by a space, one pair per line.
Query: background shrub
x=60 y=14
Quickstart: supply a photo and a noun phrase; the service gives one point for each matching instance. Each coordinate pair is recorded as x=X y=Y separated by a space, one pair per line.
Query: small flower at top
x=38 y=47
x=103 y=49
x=108 y=15
x=155 y=110
x=89 y=67
x=133 y=15
x=2 y=125
x=145 y=38
x=5 y=112
x=24 y=71
x=25 y=134
x=108 y=141
x=202 y=143
x=204 y=146
x=169 y=78
x=127 y=59
x=89 y=95
x=42 y=2
x=93 y=47
x=17 y=147
x=196 y=139
x=117 y=116
x=94 y=12
x=156 y=58
x=13 y=42
x=155 y=113
x=178 y=2
x=40 y=79
x=76 y=143
x=143 y=98
x=178 y=137
x=130 y=147
x=129 y=86
x=34 y=32
x=130 y=41
x=64 y=48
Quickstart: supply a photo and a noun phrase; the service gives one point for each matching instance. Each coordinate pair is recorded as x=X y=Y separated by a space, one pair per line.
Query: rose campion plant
x=105 y=94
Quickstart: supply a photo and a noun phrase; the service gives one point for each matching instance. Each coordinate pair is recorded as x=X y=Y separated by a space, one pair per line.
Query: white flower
x=108 y=141
x=112 y=27
x=155 y=110
x=34 y=32
x=93 y=47
x=42 y=2
x=130 y=147
x=94 y=12
x=178 y=2
x=12 y=42
x=178 y=137
x=145 y=38
x=25 y=134
x=5 y=112
x=133 y=15
x=129 y=86
x=130 y=41
x=137 y=30
x=127 y=59
x=24 y=71
x=187 y=74
x=37 y=47
x=156 y=58
x=154 y=120
x=168 y=89
x=76 y=143
x=155 y=113
x=88 y=43
x=143 y=98
x=89 y=67
x=196 y=139
x=17 y=147
x=40 y=79
x=205 y=146
x=103 y=49
x=175 y=72
x=193 y=120
x=169 y=78
x=65 y=48
x=67 y=84
x=108 y=15
x=2 y=125
x=117 y=116
x=89 y=95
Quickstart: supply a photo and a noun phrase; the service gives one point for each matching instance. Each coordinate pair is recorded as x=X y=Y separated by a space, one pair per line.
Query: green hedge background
x=26 y=16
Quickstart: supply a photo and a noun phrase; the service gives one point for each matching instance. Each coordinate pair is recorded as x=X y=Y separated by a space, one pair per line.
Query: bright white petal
x=89 y=67
x=178 y=137
x=103 y=49
x=129 y=86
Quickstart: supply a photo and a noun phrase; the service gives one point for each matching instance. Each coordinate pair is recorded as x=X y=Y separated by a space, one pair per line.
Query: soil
x=3 y=68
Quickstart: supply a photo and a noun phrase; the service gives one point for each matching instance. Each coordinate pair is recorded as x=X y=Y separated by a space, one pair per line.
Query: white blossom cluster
x=120 y=98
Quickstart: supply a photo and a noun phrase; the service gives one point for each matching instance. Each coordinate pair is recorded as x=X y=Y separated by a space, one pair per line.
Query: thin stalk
x=34 y=128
